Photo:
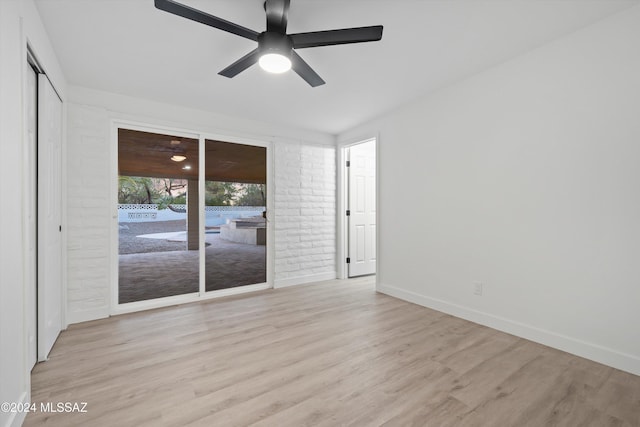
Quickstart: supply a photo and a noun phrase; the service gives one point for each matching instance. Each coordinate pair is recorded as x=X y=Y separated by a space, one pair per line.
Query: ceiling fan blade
x=204 y=18
x=241 y=64
x=305 y=71
x=333 y=37
x=277 y=15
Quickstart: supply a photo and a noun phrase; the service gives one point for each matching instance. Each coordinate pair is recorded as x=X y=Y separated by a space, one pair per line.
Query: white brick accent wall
x=304 y=221
x=88 y=211
x=305 y=213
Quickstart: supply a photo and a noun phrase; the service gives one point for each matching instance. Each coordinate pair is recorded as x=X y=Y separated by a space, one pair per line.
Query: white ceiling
x=129 y=47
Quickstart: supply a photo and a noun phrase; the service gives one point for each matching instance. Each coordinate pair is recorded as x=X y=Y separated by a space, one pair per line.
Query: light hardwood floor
x=328 y=354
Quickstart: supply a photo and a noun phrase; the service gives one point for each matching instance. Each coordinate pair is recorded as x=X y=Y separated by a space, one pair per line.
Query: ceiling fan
x=276 y=49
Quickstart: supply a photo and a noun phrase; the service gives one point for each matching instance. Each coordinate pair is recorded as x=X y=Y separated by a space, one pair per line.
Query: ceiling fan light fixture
x=275 y=63
x=178 y=158
x=276 y=48
x=275 y=52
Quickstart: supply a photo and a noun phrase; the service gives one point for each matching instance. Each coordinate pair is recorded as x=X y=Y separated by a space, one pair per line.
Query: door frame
x=201 y=136
x=342 y=237
x=30 y=207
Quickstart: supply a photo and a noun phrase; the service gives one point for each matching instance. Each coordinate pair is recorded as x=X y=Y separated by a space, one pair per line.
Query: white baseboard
x=595 y=352
x=301 y=280
x=87 y=315
x=16 y=419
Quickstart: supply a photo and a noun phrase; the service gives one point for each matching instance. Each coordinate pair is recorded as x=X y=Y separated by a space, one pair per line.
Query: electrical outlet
x=477 y=288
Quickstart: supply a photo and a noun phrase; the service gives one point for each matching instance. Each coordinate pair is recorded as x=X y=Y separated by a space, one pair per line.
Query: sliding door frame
x=117 y=308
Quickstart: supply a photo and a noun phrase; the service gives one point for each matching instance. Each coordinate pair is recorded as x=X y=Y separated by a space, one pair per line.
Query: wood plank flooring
x=329 y=354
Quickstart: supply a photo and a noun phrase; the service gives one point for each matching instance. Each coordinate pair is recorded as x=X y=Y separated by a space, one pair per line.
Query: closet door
x=49 y=216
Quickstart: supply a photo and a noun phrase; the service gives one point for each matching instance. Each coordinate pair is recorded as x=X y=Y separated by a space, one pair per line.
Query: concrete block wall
x=88 y=214
x=305 y=213
x=304 y=217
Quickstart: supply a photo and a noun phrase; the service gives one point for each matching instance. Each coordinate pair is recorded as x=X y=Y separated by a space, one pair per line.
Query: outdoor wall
x=524 y=178
x=214 y=215
x=302 y=159
x=19 y=24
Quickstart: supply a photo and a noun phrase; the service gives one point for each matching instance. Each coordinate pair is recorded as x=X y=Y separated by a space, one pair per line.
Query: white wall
x=525 y=178
x=305 y=213
x=304 y=170
x=19 y=24
x=88 y=213
x=161 y=114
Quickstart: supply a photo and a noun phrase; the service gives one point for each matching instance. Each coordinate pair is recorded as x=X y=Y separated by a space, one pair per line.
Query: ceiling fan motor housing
x=273 y=42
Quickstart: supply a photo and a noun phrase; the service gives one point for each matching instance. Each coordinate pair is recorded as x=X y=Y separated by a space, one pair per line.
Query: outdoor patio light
x=178 y=158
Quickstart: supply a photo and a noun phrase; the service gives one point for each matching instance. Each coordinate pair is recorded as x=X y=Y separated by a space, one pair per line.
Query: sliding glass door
x=183 y=230
x=235 y=210
x=157 y=216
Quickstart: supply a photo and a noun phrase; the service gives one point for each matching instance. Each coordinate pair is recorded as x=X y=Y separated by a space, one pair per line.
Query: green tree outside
x=166 y=191
x=252 y=195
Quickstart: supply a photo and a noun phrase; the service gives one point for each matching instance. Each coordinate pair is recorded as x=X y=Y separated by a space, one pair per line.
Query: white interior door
x=362 y=209
x=49 y=216
x=30 y=193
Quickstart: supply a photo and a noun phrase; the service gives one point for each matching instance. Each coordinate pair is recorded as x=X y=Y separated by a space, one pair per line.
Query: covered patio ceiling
x=149 y=154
